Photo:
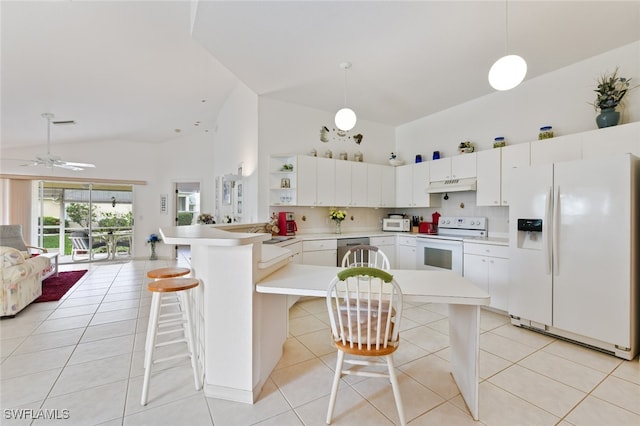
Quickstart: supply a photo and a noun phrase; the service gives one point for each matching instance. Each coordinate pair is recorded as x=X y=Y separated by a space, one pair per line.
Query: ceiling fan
x=51 y=161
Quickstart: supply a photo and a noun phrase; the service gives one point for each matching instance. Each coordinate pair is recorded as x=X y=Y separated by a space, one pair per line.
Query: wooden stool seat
x=169 y=285
x=170 y=272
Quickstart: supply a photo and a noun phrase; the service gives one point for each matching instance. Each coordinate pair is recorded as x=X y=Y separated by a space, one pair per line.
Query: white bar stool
x=162 y=324
x=167 y=299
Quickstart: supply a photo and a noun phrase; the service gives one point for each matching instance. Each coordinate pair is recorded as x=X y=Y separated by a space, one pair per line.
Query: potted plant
x=610 y=92
x=153 y=239
x=337 y=216
x=206 y=219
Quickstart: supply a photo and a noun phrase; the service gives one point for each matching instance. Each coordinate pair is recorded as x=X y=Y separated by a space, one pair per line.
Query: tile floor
x=84 y=354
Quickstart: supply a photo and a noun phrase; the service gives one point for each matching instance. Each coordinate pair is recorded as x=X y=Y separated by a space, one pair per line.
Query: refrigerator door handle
x=548 y=228
x=556 y=232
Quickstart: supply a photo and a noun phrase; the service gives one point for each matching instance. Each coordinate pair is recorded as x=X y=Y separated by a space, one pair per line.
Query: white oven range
x=444 y=250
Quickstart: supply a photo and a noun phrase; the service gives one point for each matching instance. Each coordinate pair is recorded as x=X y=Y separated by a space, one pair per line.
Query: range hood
x=452 y=185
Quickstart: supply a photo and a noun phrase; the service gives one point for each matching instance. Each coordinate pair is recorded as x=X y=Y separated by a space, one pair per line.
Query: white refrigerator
x=574 y=251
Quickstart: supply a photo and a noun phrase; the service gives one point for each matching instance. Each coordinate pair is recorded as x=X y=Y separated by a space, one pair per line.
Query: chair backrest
x=79 y=240
x=365 y=255
x=365 y=308
x=11 y=236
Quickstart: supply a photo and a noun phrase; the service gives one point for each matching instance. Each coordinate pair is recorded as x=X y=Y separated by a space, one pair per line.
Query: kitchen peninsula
x=242 y=316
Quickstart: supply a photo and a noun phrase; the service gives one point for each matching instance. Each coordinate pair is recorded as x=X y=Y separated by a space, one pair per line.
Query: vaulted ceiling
x=150 y=70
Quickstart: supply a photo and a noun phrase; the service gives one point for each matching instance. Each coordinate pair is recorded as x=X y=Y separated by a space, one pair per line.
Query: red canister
x=425 y=227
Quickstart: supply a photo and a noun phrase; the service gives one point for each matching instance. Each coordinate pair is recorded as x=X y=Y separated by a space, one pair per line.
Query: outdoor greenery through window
x=102 y=214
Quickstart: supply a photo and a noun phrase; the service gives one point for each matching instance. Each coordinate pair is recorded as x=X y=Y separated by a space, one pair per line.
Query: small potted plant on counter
x=206 y=219
x=337 y=216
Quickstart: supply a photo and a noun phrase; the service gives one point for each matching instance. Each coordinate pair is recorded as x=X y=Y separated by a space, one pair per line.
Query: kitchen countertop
x=495 y=240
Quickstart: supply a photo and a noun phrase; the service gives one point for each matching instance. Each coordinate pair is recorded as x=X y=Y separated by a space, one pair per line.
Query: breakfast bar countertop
x=313 y=280
x=209 y=235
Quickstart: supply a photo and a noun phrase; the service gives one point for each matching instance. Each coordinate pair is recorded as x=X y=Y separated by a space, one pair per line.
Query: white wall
x=235 y=143
x=287 y=128
x=186 y=158
x=559 y=99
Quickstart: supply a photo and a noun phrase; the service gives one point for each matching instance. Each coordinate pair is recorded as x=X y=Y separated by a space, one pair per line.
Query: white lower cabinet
x=320 y=252
x=388 y=246
x=296 y=251
x=296 y=257
x=406 y=258
x=487 y=266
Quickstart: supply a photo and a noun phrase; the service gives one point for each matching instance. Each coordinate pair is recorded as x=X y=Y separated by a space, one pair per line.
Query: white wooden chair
x=80 y=245
x=365 y=307
x=366 y=255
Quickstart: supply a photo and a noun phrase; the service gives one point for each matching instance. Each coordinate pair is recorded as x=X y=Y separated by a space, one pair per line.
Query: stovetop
x=459 y=228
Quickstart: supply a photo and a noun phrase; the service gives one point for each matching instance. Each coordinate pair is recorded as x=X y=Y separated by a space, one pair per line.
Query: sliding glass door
x=86 y=221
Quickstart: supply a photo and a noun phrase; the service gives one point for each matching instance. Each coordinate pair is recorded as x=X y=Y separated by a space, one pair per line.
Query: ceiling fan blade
x=85 y=165
x=67 y=166
x=48 y=160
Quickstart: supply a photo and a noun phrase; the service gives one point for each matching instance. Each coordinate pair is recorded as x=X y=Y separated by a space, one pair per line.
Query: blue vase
x=608 y=117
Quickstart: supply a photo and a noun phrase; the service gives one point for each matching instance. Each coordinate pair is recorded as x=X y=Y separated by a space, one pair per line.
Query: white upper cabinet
x=325 y=181
x=412 y=181
x=404 y=186
x=374 y=182
x=359 y=184
x=512 y=156
x=388 y=187
x=343 y=183
x=463 y=166
x=488 y=191
x=420 y=184
x=556 y=149
x=307 y=168
x=611 y=140
x=457 y=167
x=440 y=170
x=350 y=184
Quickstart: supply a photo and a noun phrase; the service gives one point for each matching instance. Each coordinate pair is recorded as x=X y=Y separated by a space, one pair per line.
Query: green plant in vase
x=610 y=92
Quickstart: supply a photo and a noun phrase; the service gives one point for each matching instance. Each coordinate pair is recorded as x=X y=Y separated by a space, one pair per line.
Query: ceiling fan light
x=507 y=72
x=345 y=119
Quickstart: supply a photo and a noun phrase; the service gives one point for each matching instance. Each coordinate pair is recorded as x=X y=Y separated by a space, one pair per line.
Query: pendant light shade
x=345 y=118
x=507 y=72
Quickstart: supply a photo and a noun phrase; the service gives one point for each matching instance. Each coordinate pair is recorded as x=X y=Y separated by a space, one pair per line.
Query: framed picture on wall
x=226 y=192
x=240 y=190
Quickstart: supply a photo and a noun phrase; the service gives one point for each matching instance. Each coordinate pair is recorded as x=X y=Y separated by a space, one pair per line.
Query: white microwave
x=396 y=224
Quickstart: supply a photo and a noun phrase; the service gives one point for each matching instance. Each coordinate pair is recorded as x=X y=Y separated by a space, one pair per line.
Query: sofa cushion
x=15 y=268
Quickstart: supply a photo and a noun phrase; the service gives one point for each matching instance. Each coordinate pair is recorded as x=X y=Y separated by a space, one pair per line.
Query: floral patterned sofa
x=21 y=279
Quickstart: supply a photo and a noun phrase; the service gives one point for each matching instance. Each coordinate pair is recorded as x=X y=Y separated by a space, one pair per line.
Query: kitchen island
x=242 y=316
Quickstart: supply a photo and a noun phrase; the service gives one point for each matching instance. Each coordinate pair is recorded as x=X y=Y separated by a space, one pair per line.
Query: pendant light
x=345 y=118
x=508 y=71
